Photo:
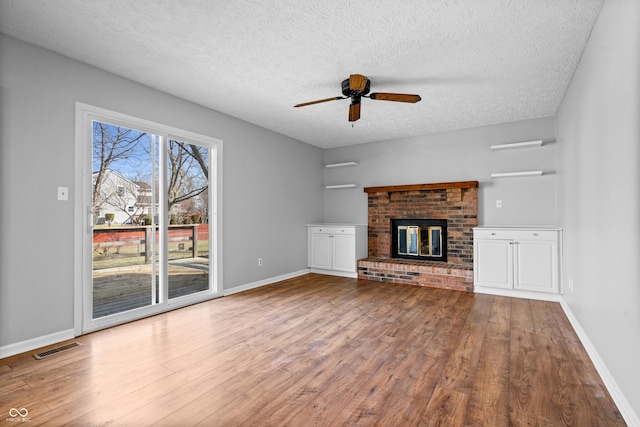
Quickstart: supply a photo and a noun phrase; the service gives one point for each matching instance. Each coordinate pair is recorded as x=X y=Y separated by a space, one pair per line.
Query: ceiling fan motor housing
x=355 y=94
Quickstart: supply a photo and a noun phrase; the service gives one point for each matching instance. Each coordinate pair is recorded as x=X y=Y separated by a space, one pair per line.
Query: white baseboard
x=264 y=282
x=629 y=415
x=352 y=275
x=541 y=296
x=34 y=343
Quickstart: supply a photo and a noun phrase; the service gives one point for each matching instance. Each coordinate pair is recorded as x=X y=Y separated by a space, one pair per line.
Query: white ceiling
x=473 y=62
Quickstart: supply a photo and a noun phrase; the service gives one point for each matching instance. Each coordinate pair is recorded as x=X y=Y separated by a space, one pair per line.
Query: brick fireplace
x=453 y=202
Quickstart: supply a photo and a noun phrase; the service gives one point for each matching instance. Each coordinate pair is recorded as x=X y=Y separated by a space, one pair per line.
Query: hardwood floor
x=322 y=350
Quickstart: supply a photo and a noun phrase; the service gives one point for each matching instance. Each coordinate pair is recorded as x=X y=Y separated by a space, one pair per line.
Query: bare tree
x=116 y=147
x=111 y=144
x=199 y=154
x=187 y=165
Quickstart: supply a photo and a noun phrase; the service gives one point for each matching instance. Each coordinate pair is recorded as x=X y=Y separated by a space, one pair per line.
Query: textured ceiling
x=473 y=62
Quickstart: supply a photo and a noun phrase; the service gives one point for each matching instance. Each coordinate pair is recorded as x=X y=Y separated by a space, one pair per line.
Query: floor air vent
x=56 y=350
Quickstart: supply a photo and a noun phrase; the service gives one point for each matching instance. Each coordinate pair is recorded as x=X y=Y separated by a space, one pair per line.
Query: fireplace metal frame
x=418 y=225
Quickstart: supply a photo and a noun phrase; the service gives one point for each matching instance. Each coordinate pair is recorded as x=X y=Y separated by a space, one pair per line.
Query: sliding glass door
x=151 y=226
x=125 y=211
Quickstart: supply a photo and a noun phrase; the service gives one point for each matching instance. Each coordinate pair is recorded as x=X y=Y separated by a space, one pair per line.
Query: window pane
x=122 y=278
x=188 y=210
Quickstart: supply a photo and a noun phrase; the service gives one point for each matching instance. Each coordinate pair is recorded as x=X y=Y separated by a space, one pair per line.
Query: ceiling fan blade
x=319 y=101
x=354 y=111
x=357 y=82
x=397 y=97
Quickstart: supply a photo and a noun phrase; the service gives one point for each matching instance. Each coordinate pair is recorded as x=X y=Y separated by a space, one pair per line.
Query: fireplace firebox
x=419 y=239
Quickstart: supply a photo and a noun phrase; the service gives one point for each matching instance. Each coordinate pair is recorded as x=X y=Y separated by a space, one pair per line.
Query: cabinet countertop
x=518 y=227
x=329 y=224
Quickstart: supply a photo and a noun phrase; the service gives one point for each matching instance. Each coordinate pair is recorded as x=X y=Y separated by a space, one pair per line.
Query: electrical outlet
x=498 y=203
x=259 y=262
x=570 y=280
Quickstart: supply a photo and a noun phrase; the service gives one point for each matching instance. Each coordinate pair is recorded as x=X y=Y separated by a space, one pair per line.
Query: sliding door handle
x=90 y=223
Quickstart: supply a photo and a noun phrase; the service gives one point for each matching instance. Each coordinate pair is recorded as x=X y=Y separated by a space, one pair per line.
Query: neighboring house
x=144 y=197
x=127 y=200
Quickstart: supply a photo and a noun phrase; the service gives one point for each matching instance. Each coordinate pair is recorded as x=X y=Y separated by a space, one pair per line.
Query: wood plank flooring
x=325 y=351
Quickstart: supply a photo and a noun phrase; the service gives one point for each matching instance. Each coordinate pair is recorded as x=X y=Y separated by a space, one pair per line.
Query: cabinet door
x=494 y=263
x=536 y=266
x=344 y=252
x=320 y=254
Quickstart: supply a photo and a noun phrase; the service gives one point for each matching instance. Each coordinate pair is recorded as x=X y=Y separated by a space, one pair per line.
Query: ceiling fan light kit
x=358 y=86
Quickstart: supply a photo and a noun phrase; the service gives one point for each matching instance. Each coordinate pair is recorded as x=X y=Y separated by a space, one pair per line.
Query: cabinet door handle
x=493 y=234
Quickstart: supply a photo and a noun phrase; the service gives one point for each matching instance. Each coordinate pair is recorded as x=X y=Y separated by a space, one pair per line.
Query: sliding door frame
x=85 y=114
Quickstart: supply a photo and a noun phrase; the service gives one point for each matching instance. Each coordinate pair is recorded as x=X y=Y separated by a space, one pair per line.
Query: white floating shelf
x=514 y=145
x=335 y=187
x=341 y=165
x=514 y=174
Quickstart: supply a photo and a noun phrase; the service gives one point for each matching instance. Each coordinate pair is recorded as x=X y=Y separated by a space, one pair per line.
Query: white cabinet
x=517 y=259
x=336 y=248
x=493 y=263
x=320 y=250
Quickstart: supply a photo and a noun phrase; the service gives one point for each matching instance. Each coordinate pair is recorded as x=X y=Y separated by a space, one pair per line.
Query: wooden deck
x=325 y=351
x=120 y=289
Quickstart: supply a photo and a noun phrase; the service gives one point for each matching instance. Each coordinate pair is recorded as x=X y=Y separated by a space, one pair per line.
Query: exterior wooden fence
x=118 y=237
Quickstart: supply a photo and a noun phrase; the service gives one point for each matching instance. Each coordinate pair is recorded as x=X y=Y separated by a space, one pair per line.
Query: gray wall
x=463 y=155
x=598 y=132
x=272 y=184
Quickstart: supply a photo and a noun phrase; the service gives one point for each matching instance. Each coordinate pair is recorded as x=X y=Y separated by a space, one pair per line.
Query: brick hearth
x=457 y=202
x=422 y=273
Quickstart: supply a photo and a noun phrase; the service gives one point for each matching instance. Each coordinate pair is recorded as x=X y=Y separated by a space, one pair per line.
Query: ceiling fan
x=356 y=87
